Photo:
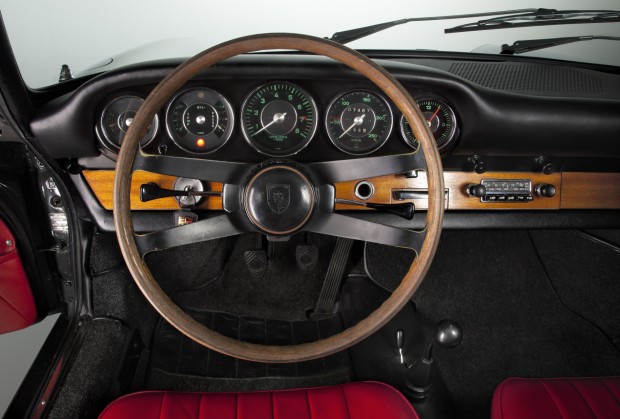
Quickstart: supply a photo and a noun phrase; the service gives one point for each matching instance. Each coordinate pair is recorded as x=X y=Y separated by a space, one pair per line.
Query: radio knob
x=476 y=190
x=546 y=190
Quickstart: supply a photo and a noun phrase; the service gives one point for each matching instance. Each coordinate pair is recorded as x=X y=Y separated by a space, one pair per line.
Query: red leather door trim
x=17 y=307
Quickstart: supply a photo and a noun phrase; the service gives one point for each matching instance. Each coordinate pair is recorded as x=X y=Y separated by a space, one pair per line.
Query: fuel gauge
x=199 y=120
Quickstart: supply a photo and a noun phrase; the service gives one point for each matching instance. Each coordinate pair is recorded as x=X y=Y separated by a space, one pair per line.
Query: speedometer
x=279 y=118
x=358 y=122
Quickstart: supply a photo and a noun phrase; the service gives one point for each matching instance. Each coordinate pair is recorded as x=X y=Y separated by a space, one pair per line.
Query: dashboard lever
x=150 y=191
x=405 y=210
x=400 y=343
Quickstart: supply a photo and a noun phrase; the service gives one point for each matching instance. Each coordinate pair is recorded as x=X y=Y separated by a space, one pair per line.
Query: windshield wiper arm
x=351 y=35
x=540 y=17
x=519 y=47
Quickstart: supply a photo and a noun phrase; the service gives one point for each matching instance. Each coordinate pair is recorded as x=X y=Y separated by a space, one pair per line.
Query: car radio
x=502 y=190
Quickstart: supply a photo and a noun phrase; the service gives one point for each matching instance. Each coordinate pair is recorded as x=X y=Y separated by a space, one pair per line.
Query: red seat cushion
x=561 y=398
x=17 y=306
x=363 y=400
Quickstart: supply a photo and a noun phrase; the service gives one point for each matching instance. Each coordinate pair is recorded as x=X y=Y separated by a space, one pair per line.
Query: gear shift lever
x=417 y=374
x=448 y=334
x=400 y=342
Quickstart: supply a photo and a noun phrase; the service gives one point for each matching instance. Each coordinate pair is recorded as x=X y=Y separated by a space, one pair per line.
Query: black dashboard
x=545 y=122
x=502 y=114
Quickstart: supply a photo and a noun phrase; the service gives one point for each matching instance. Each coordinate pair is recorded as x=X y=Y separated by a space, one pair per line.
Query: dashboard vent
x=529 y=78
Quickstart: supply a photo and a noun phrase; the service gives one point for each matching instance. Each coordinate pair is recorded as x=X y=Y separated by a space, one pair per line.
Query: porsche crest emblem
x=278 y=197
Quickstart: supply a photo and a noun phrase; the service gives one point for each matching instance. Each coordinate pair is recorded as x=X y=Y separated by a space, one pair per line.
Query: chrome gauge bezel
x=302 y=145
x=335 y=141
x=453 y=129
x=102 y=134
x=227 y=133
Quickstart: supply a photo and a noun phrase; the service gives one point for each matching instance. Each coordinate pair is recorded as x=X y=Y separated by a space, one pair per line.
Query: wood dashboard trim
x=101 y=182
x=455 y=184
x=581 y=190
x=575 y=190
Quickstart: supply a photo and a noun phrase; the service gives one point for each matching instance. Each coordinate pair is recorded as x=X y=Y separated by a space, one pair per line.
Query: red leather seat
x=561 y=398
x=363 y=400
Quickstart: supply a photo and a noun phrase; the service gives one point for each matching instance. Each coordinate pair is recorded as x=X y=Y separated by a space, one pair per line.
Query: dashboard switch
x=476 y=190
x=545 y=190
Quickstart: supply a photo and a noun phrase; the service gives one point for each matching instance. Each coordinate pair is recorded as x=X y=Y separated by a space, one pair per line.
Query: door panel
x=17 y=306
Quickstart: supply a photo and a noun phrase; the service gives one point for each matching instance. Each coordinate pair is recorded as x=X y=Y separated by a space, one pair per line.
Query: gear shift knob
x=448 y=334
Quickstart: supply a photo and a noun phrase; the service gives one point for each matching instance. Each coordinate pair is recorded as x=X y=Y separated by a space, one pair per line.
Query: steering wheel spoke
x=344 y=170
x=354 y=228
x=193 y=168
x=208 y=229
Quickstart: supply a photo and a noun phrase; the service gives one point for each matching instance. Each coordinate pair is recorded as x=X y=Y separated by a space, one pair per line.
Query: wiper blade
x=351 y=35
x=519 y=47
x=540 y=17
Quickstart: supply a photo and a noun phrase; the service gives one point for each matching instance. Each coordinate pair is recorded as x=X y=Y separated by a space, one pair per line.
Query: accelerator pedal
x=333 y=280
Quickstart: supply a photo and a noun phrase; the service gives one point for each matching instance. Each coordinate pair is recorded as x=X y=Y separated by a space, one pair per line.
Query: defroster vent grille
x=529 y=78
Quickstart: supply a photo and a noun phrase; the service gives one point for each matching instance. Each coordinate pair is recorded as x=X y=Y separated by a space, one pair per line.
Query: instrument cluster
x=277 y=119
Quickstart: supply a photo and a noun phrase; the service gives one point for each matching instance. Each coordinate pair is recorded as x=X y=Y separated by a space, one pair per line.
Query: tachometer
x=279 y=118
x=359 y=122
x=116 y=118
x=199 y=120
x=440 y=118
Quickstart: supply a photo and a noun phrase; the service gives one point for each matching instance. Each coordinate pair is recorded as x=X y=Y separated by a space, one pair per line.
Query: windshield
x=96 y=36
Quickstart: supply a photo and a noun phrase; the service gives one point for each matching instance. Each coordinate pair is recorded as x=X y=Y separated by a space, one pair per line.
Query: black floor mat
x=281 y=292
x=494 y=285
x=237 y=304
x=586 y=275
x=179 y=363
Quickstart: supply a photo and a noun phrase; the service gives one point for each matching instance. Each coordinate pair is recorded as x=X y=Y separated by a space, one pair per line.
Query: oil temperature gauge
x=359 y=122
x=199 y=120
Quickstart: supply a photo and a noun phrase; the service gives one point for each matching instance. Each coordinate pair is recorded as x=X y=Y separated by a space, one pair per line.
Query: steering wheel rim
x=164 y=304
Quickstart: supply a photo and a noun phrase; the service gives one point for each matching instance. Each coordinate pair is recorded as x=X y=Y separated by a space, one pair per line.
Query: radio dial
x=476 y=190
x=545 y=190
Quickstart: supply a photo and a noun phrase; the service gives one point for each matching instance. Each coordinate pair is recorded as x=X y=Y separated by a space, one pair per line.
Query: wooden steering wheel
x=311 y=187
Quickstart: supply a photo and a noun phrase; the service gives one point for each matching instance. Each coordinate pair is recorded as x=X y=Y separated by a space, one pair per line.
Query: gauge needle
x=277 y=118
x=433 y=117
x=357 y=121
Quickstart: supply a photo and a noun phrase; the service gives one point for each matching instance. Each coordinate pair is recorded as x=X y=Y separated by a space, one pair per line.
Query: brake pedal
x=307 y=257
x=256 y=262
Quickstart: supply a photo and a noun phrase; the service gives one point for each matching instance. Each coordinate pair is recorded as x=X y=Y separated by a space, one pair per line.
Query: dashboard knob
x=549 y=168
x=476 y=190
x=546 y=190
x=480 y=167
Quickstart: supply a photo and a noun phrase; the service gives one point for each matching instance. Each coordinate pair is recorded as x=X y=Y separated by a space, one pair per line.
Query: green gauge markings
x=279 y=119
x=440 y=118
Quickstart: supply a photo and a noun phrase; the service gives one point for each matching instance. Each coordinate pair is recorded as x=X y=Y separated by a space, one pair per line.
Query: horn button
x=279 y=200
